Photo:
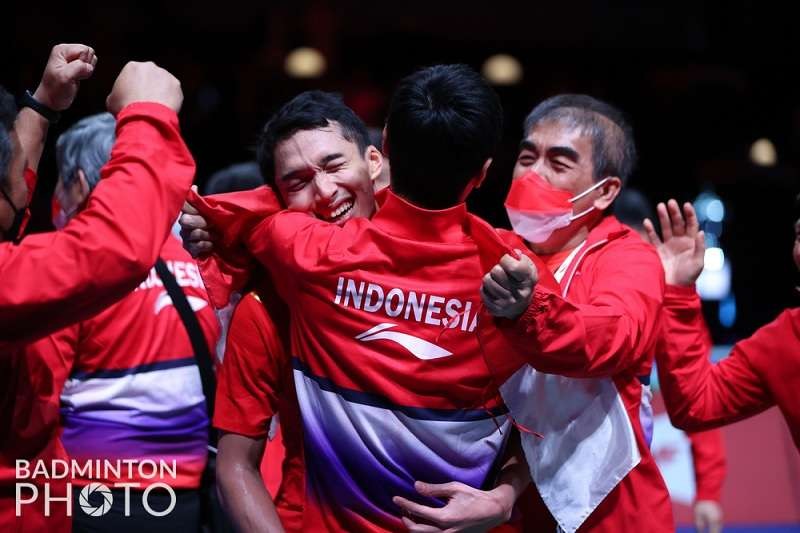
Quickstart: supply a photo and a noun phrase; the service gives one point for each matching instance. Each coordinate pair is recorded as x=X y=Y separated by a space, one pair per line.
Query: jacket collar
x=400 y=218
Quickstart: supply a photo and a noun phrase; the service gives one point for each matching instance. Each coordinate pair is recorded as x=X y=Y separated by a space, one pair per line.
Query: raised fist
x=144 y=82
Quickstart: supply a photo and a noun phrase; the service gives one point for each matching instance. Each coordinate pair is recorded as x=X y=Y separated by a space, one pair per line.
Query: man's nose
x=540 y=168
x=324 y=186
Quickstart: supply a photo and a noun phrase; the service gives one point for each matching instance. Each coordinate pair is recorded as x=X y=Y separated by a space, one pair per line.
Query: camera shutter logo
x=101 y=490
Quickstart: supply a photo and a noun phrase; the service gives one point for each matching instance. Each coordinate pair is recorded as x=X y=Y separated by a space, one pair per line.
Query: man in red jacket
x=128 y=377
x=350 y=463
x=54 y=279
x=592 y=469
x=760 y=372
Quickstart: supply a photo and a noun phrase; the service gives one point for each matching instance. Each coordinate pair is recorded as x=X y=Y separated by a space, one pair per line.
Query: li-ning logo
x=164 y=300
x=100 y=490
x=420 y=348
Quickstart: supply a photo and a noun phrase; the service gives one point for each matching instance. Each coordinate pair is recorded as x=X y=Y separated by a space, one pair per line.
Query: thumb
x=77 y=70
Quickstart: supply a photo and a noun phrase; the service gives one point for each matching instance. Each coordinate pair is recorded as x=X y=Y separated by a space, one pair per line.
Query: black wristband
x=28 y=100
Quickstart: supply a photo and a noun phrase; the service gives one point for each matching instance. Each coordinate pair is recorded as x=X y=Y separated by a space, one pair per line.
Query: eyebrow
x=325 y=160
x=565 y=151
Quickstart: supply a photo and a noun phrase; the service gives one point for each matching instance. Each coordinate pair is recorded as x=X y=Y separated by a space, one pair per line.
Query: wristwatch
x=28 y=100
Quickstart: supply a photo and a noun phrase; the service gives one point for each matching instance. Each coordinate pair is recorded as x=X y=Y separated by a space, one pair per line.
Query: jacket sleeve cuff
x=148 y=109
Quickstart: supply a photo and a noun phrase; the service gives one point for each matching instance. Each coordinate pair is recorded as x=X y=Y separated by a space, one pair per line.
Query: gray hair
x=613 y=148
x=86 y=146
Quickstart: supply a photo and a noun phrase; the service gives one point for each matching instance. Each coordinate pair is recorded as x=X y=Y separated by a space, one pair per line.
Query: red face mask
x=536 y=209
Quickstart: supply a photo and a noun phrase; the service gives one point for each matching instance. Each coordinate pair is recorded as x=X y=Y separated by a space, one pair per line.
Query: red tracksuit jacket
x=607 y=325
x=760 y=372
x=52 y=280
x=388 y=371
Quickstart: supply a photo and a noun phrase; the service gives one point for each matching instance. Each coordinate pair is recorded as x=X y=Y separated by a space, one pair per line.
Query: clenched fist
x=67 y=66
x=144 y=82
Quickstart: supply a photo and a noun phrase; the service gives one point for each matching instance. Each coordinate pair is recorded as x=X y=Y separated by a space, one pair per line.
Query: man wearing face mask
x=592 y=469
x=129 y=383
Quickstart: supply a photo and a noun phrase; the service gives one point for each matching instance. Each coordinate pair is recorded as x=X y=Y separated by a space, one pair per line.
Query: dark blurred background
x=701 y=83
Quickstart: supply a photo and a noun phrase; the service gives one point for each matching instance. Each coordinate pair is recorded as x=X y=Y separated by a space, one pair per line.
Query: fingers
x=189 y=209
x=72 y=51
x=494 y=290
x=441 y=490
x=663 y=220
x=692 y=224
x=190 y=221
x=499 y=275
x=422 y=511
x=678 y=224
x=77 y=70
x=198 y=249
x=650 y=232
x=522 y=271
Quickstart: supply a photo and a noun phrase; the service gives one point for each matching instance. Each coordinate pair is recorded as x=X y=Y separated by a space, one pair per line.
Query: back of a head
x=238 y=177
x=631 y=207
x=308 y=110
x=86 y=146
x=444 y=123
x=613 y=147
x=8 y=112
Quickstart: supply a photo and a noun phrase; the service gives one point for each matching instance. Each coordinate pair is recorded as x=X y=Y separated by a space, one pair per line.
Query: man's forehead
x=315 y=142
x=557 y=132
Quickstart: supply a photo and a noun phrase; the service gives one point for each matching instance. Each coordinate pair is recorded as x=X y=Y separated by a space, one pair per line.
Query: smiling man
x=316 y=153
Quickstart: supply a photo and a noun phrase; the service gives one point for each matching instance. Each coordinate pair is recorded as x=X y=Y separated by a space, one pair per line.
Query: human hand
x=67 y=65
x=508 y=287
x=467 y=509
x=144 y=82
x=683 y=249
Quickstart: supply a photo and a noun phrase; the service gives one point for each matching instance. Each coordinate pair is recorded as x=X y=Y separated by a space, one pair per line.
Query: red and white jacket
x=589 y=343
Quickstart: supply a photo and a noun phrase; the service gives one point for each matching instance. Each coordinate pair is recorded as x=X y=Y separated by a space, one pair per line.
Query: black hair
x=613 y=148
x=444 y=123
x=238 y=177
x=308 y=110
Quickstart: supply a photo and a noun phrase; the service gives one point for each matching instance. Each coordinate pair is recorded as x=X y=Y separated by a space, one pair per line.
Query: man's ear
x=477 y=181
x=374 y=160
x=484 y=173
x=81 y=188
x=608 y=193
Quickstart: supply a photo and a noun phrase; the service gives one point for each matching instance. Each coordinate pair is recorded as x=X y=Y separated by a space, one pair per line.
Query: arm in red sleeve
x=231 y=216
x=698 y=394
x=56 y=353
x=708 y=455
x=294 y=245
x=614 y=331
x=54 y=279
